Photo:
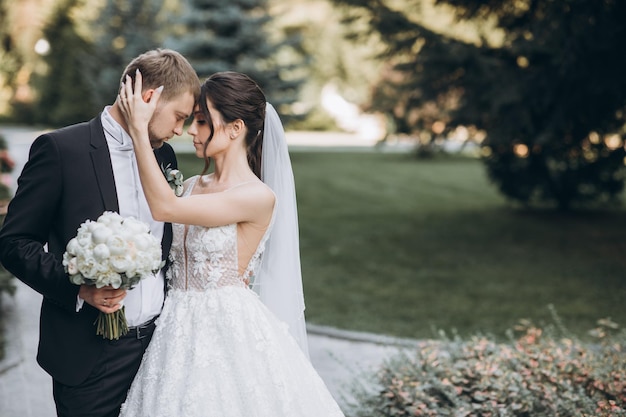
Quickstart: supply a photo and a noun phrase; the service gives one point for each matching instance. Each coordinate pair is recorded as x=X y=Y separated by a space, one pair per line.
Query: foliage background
x=293 y=48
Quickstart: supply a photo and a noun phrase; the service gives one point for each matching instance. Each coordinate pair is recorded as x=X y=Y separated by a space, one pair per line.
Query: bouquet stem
x=112 y=325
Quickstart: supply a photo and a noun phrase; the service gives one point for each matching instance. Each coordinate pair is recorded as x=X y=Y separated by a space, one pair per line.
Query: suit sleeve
x=29 y=221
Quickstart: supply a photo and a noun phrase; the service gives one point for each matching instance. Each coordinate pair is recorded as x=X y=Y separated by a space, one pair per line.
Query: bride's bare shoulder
x=258 y=191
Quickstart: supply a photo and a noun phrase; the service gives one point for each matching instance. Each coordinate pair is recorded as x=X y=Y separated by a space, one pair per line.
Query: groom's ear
x=147 y=95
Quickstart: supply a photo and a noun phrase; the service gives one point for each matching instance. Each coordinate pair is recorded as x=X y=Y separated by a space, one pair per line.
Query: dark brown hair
x=236 y=96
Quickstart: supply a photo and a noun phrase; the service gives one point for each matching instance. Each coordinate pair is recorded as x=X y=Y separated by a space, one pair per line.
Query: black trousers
x=104 y=391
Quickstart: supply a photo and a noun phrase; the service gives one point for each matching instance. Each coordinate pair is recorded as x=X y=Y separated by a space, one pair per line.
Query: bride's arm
x=251 y=202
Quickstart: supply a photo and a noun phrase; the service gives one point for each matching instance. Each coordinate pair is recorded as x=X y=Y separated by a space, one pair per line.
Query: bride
x=231 y=339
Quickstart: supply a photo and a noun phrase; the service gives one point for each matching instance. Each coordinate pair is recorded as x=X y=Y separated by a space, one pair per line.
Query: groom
x=74 y=174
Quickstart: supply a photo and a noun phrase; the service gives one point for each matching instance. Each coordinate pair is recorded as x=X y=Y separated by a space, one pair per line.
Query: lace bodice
x=207 y=257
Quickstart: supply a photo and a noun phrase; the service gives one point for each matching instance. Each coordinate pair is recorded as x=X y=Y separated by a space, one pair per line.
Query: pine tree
x=64 y=92
x=231 y=35
x=123 y=30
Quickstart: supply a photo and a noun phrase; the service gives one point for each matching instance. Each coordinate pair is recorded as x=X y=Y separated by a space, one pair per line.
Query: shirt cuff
x=79 y=303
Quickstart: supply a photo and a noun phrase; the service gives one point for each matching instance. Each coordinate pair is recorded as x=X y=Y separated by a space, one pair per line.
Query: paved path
x=25 y=389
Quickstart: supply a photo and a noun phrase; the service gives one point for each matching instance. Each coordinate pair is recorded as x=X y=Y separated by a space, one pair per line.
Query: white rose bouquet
x=114 y=251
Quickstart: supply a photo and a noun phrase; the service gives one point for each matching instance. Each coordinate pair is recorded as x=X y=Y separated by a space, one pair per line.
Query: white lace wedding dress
x=217 y=350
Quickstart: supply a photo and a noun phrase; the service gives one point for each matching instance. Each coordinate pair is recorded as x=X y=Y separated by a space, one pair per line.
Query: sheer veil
x=279 y=281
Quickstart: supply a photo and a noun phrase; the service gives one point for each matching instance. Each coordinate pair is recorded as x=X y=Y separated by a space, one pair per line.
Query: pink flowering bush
x=535 y=374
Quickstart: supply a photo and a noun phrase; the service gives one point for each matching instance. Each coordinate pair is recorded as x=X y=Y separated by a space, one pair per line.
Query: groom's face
x=169 y=118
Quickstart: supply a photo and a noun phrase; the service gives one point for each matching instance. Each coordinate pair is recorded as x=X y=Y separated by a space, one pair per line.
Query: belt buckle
x=139 y=335
x=145 y=327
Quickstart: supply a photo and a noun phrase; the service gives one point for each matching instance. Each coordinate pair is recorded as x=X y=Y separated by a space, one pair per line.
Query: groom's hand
x=106 y=299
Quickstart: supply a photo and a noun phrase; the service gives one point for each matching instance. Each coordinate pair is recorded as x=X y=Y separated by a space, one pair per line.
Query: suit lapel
x=101 y=160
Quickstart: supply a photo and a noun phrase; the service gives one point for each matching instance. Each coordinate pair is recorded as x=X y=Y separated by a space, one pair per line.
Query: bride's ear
x=237 y=128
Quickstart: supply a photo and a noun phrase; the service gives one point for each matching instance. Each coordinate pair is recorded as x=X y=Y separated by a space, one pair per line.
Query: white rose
x=95 y=225
x=135 y=227
x=104 y=220
x=116 y=281
x=66 y=258
x=73 y=247
x=101 y=252
x=87 y=266
x=116 y=228
x=100 y=234
x=77 y=279
x=85 y=227
x=102 y=280
x=120 y=264
x=110 y=218
x=110 y=278
x=143 y=242
x=142 y=264
x=72 y=266
x=117 y=245
x=84 y=239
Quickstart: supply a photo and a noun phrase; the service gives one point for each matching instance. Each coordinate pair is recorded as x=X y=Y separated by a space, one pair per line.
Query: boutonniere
x=174 y=178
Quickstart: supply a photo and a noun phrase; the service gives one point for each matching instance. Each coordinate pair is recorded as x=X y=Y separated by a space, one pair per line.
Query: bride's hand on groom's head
x=138 y=106
x=106 y=299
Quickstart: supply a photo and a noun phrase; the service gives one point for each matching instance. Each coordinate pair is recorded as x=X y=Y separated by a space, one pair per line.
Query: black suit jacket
x=68 y=179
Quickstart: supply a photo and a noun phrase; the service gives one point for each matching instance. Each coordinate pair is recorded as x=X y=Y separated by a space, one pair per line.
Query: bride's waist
x=204 y=288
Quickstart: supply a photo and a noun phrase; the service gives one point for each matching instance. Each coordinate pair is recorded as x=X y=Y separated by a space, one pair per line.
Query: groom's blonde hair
x=167 y=68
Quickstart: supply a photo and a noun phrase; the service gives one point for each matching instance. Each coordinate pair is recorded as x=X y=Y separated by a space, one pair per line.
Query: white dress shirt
x=145 y=300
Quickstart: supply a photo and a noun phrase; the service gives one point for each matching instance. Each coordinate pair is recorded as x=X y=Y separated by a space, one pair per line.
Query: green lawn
x=400 y=246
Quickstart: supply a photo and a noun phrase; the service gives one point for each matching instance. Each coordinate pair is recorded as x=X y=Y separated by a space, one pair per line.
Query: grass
x=400 y=246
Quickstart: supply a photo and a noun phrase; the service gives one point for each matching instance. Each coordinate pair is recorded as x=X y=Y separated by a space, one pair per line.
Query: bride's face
x=200 y=130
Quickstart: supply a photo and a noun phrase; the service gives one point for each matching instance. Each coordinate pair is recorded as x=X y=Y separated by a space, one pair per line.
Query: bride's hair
x=236 y=96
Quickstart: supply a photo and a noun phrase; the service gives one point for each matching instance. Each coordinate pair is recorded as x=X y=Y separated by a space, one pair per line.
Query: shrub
x=534 y=374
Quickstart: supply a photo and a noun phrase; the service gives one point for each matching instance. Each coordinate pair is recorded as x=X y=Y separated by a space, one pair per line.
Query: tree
x=11 y=60
x=550 y=96
x=122 y=30
x=89 y=48
x=64 y=93
x=232 y=35
x=332 y=59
